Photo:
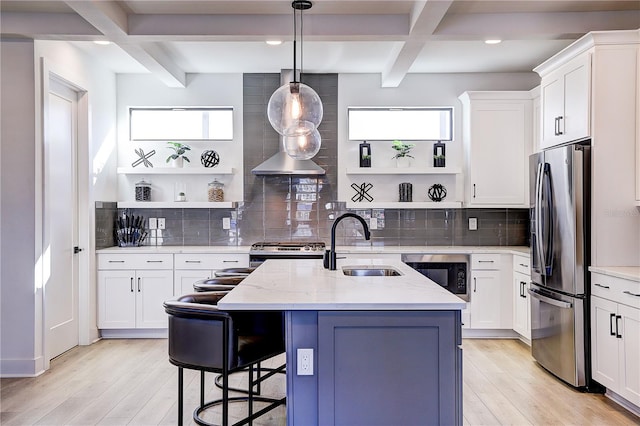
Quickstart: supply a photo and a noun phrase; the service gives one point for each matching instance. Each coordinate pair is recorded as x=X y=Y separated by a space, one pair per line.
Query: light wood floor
x=130 y=382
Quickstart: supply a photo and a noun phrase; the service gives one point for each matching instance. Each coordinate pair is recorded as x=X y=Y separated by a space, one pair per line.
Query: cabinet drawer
x=211 y=260
x=626 y=292
x=485 y=261
x=521 y=265
x=134 y=261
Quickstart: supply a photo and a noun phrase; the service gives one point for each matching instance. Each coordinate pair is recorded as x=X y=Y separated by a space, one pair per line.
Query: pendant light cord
x=295 y=50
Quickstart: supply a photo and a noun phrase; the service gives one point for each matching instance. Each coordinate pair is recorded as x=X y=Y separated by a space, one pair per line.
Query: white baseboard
x=623 y=402
x=135 y=333
x=21 y=367
x=473 y=333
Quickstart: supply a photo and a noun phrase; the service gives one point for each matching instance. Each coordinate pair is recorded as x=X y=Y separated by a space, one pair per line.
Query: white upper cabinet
x=497 y=133
x=565 y=95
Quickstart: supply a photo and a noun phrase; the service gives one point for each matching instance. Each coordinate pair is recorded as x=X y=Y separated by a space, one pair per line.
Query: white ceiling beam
x=47 y=26
x=425 y=18
x=527 y=26
x=109 y=18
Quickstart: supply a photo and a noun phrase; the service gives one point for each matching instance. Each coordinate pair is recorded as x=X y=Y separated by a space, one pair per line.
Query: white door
x=60 y=220
x=629 y=353
x=153 y=288
x=604 y=344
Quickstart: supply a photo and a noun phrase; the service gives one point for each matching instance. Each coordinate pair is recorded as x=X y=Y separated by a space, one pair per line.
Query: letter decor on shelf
x=362 y=192
x=144 y=158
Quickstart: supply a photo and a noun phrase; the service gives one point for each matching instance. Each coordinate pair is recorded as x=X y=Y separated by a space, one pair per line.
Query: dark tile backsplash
x=290 y=208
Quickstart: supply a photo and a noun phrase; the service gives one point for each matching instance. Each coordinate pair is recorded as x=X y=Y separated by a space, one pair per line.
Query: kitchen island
x=386 y=349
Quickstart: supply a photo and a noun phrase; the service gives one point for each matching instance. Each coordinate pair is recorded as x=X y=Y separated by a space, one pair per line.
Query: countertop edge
x=625 y=272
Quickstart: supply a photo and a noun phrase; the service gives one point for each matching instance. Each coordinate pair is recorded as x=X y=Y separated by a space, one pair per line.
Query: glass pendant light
x=295 y=109
x=303 y=146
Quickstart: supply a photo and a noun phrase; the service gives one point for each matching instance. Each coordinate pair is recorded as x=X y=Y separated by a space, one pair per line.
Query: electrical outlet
x=305 y=362
x=161 y=223
x=153 y=223
x=226 y=223
x=473 y=224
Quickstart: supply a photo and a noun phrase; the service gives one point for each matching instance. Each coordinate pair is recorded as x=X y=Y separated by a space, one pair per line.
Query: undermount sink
x=370 y=271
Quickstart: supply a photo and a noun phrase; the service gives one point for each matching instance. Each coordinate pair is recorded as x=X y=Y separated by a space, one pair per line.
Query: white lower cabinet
x=490 y=296
x=133 y=299
x=521 y=302
x=132 y=289
x=615 y=336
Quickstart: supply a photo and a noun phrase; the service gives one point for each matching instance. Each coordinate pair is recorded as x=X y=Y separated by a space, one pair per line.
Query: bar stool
x=233 y=272
x=217 y=284
x=204 y=338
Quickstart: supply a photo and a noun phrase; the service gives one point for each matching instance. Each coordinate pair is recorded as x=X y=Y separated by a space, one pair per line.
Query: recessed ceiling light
x=493 y=41
x=274 y=42
x=102 y=42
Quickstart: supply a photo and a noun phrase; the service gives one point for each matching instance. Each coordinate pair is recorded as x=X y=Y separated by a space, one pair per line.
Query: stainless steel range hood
x=281 y=163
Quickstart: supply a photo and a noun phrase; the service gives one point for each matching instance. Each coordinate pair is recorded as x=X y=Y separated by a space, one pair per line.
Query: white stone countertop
x=288 y=285
x=357 y=249
x=627 y=272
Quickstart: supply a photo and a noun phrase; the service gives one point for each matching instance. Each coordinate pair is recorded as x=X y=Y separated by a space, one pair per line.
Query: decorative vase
x=178 y=162
x=403 y=162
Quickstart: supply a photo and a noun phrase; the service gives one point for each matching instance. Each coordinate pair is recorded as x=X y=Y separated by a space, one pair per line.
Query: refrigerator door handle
x=538 y=219
x=558 y=303
x=547 y=242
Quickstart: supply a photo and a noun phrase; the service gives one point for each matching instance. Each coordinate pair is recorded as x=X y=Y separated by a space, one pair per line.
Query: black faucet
x=330 y=255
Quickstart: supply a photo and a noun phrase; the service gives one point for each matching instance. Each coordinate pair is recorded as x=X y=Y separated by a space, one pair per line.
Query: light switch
x=373 y=223
x=226 y=223
x=153 y=223
x=473 y=224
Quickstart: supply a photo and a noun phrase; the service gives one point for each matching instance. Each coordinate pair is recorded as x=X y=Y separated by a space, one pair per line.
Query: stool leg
x=180 y=394
x=250 y=407
x=201 y=388
x=225 y=397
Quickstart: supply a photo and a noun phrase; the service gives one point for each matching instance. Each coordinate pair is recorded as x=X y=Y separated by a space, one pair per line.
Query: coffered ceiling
x=172 y=38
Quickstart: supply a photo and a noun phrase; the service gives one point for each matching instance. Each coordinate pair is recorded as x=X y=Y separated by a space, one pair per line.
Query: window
x=182 y=124
x=406 y=124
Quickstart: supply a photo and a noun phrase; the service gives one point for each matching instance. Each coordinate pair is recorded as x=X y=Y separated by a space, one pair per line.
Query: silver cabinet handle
x=630 y=294
x=600 y=285
x=131 y=284
x=138 y=284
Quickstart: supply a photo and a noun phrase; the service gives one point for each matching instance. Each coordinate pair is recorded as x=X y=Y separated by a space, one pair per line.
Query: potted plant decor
x=403 y=150
x=179 y=150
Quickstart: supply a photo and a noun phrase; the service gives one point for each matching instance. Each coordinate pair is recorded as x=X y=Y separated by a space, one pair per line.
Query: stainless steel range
x=285 y=250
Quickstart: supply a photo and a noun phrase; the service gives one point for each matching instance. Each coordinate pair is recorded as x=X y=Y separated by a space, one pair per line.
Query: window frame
x=132 y=109
x=449 y=109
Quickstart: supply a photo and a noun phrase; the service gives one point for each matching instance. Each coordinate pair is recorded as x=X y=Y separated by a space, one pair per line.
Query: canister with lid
x=215 y=191
x=143 y=191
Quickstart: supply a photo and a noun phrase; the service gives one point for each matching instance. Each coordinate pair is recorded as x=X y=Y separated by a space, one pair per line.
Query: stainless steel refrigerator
x=560 y=240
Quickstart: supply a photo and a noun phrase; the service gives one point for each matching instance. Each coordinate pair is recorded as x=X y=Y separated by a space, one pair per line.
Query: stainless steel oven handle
x=549 y=300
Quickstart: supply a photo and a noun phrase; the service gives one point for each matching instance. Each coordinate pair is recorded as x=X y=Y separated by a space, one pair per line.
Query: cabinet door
x=552 y=94
x=629 y=354
x=116 y=299
x=486 y=309
x=183 y=280
x=499 y=136
x=152 y=289
x=521 y=309
x=575 y=120
x=604 y=344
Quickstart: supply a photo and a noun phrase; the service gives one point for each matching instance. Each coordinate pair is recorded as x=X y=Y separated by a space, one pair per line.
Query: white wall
x=415 y=90
x=21 y=304
x=202 y=90
x=17 y=208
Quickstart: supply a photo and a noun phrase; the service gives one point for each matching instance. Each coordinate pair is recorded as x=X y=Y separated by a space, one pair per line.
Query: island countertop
x=294 y=285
